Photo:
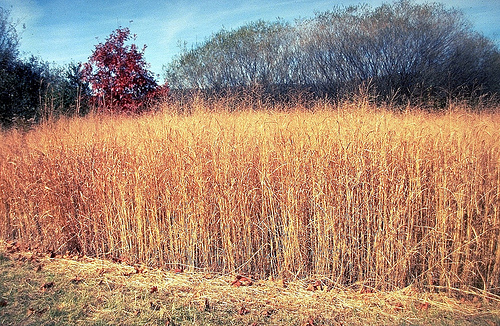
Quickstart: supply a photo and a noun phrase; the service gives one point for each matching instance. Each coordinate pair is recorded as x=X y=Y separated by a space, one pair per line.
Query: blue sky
x=62 y=31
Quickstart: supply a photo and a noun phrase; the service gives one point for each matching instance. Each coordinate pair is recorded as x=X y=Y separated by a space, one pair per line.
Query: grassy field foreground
x=43 y=289
x=356 y=194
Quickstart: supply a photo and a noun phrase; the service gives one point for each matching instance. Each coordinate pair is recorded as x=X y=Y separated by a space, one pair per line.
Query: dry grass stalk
x=352 y=193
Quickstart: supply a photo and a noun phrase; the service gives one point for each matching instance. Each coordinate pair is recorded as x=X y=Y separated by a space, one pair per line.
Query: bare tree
x=9 y=39
x=404 y=51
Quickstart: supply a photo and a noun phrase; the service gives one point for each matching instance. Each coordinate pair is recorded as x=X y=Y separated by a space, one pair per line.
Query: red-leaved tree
x=119 y=76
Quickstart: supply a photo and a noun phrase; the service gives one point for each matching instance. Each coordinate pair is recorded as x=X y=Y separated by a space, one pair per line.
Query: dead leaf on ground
x=309 y=322
x=141 y=269
x=169 y=322
x=243 y=311
x=366 y=290
x=423 y=306
x=316 y=285
x=267 y=313
x=241 y=281
x=76 y=280
x=32 y=311
x=47 y=286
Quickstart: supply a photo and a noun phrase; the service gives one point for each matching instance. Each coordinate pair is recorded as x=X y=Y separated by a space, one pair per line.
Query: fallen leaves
x=47 y=286
x=138 y=269
x=423 y=306
x=366 y=290
x=210 y=293
x=241 y=281
x=141 y=269
x=76 y=280
x=267 y=313
x=315 y=286
x=243 y=311
x=41 y=311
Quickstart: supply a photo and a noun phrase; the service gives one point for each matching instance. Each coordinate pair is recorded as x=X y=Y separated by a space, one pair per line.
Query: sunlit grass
x=353 y=193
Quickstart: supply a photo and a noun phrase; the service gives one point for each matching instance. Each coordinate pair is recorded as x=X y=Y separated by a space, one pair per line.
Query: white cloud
x=22 y=12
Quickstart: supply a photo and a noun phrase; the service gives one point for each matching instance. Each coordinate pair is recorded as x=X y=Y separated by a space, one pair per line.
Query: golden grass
x=356 y=194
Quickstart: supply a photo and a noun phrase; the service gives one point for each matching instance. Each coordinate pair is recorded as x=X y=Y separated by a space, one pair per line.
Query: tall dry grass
x=353 y=193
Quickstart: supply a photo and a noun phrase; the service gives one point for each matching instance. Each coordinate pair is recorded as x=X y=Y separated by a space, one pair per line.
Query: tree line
x=31 y=88
x=396 y=52
x=115 y=79
x=400 y=52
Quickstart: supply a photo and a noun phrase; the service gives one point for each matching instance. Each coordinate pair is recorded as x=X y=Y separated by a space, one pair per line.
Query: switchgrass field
x=355 y=194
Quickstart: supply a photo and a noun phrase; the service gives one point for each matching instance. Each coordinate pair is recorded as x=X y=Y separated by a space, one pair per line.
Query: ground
x=46 y=289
